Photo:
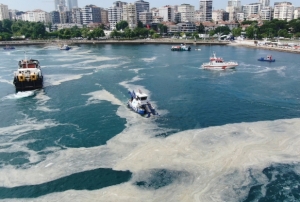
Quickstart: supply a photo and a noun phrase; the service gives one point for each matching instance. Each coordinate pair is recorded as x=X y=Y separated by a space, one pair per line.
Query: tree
x=140 y=24
x=201 y=28
x=122 y=25
x=236 y=32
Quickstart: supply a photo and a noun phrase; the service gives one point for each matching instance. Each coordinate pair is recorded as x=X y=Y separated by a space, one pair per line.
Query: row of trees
x=270 y=29
x=37 y=30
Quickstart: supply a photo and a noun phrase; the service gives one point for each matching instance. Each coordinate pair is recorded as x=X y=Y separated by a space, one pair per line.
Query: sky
x=48 y=5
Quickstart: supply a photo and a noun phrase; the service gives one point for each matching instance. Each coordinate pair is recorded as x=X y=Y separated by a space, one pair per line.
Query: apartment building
x=283 y=11
x=91 y=14
x=4 y=14
x=187 y=13
x=206 y=9
x=130 y=15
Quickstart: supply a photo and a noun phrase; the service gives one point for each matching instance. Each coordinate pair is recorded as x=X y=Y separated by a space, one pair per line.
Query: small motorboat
x=65 y=47
x=140 y=104
x=182 y=47
x=267 y=59
x=9 y=47
x=197 y=49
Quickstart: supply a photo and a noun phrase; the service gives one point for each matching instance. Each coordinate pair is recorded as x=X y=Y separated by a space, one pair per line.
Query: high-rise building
x=60 y=5
x=114 y=16
x=220 y=15
x=251 y=9
x=72 y=4
x=104 y=16
x=187 y=13
x=206 y=9
x=119 y=4
x=266 y=13
x=4 y=14
x=167 y=13
x=54 y=17
x=297 y=13
x=145 y=17
x=141 y=6
x=129 y=15
x=283 y=11
x=77 y=16
x=91 y=14
x=233 y=7
x=264 y=3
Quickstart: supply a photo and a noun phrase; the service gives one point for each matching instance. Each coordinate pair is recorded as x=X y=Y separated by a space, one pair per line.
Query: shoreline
x=247 y=44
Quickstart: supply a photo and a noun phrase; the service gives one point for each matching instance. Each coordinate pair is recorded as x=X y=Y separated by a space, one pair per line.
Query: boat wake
x=20 y=95
x=149 y=59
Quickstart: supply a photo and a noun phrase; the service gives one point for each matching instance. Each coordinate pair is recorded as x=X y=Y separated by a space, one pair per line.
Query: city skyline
x=48 y=5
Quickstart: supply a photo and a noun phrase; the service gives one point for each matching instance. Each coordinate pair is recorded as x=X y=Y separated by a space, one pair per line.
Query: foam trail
x=102 y=95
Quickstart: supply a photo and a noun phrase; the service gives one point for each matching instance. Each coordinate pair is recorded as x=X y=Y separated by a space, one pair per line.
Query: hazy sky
x=48 y=5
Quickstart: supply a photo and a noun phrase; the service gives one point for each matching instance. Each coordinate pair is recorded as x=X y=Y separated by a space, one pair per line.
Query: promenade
x=136 y=41
x=243 y=43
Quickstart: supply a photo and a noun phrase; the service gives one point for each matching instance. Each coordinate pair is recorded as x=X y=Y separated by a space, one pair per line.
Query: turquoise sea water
x=221 y=135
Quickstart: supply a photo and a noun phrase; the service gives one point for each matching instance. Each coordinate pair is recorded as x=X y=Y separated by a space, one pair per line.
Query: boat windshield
x=144 y=98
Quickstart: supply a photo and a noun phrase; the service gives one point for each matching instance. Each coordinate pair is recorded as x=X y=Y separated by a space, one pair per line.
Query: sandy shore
x=244 y=43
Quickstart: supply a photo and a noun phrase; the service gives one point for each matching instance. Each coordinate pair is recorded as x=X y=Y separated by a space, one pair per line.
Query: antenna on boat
x=26 y=59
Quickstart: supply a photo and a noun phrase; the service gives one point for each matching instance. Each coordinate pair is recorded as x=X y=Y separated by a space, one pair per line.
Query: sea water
x=228 y=135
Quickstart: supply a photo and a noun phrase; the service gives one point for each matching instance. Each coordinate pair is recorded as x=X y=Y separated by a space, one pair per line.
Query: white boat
x=65 y=47
x=140 y=104
x=182 y=47
x=218 y=63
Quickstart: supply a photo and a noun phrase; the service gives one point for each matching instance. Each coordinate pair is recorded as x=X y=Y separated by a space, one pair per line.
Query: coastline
x=244 y=43
x=250 y=44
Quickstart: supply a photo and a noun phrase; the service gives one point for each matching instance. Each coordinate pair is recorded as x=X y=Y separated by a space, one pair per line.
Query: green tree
x=122 y=25
x=140 y=24
x=236 y=32
x=201 y=28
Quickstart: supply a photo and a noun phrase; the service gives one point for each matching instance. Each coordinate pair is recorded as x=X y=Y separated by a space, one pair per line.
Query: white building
x=206 y=9
x=283 y=11
x=199 y=16
x=240 y=17
x=251 y=9
x=264 y=3
x=114 y=16
x=219 y=15
x=36 y=16
x=91 y=14
x=187 y=13
x=145 y=17
x=297 y=13
x=130 y=15
x=233 y=7
x=266 y=13
x=4 y=14
x=167 y=13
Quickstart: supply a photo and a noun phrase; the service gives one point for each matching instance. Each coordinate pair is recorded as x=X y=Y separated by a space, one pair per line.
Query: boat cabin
x=28 y=64
x=141 y=96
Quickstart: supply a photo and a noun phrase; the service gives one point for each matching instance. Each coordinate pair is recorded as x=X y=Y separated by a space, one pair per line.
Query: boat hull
x=28 y=85
x=266 y=60
x=138 y=110
x=221 y=67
